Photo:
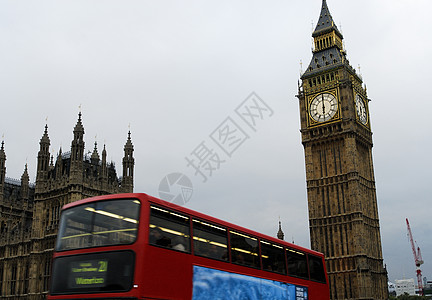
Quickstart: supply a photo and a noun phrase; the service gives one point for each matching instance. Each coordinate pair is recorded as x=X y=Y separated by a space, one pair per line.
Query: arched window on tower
x=47 y=273
x=55 y=212
x=26 y=278
x=13 y=280
x=46 y=220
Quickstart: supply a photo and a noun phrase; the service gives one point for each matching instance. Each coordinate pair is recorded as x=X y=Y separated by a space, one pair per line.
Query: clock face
x=361 y=110
x=323 y=107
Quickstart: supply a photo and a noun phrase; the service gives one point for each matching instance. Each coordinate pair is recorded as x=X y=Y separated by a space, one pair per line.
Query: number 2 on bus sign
x=103 y=266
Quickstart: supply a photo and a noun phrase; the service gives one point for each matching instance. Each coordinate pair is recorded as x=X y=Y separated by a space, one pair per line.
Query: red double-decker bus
x=134 y=246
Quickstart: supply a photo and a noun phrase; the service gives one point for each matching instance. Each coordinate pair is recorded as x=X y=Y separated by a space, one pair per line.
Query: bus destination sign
x=90 y=273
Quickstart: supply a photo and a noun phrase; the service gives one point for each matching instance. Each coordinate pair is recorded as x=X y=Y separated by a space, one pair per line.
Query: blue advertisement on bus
x=220 y=285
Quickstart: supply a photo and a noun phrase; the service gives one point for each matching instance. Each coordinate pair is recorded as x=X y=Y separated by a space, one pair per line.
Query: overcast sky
x=176 y=71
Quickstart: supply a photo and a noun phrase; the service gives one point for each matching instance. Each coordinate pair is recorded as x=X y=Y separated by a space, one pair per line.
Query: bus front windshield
x=103 y=223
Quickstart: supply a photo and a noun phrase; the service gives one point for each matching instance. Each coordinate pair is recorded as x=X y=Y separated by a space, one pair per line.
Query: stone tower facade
x=30 y=212
x=337 y=139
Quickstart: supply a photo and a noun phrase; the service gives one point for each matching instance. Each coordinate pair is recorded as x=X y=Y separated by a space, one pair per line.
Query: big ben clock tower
x=337 y=139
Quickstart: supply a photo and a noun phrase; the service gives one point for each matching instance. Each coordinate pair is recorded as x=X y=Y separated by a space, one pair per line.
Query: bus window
x=273 y=257
x=104 y=223
x=297 y=263
x=244 y=249
x=210 y=240
x=169 y=229
x=316 y=269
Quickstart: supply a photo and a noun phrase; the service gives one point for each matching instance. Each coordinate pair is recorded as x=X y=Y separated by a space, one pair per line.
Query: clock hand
x=323 y=107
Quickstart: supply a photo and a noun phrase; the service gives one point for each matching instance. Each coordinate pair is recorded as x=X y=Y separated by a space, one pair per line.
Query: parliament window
x=26 y=278
x=47 y=273
x=13 y=279
x=1 y=280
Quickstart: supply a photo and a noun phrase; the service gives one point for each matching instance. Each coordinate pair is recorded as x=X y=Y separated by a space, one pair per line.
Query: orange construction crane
x=417 y=259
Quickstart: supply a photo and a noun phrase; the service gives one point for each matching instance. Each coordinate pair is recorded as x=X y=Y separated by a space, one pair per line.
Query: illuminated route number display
x=90 y=273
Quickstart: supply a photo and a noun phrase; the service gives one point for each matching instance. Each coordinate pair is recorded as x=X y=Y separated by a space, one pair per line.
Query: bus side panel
x=167 y=274
x=216 y=284
x=318 y=291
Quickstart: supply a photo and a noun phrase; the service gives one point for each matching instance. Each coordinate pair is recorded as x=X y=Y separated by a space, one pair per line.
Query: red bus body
x=163 y=273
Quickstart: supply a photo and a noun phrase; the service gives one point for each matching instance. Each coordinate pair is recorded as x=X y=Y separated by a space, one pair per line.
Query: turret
x=43 y=157
x=59 y=165
x=280 y=234
x=128 y=166
x=2 y=170
x=77 y=151
x=51 y=163
x=95 y=156
x=104 y=173
x=25 y=184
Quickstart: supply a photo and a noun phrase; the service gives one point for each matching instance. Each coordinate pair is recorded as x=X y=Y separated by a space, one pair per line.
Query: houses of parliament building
x=30 y=211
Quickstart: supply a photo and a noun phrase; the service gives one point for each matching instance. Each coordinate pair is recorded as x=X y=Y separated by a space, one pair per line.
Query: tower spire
x=43 y=156
x=280 y=234
x=104 y=173
x=59 y=164
x=128 y=165
x=25 y=184
x=95 y=155
x=2 y=169
x=2 y=161
x=78 y=141
x=77 y=151
x=79 y=128
x=328 y=52
x=325 y=22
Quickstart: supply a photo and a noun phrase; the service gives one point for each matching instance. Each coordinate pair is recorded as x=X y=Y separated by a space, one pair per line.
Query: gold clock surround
x=361 y=110
x=323 y=107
